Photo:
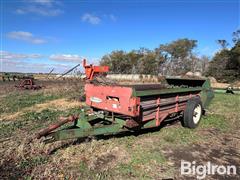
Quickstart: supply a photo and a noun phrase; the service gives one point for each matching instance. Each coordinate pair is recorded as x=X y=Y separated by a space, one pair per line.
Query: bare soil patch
x=221 y=149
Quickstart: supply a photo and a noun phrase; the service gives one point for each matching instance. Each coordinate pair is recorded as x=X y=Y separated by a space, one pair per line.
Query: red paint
x=91 y=70
x=177 y=99
x=113 y=98
x=164 y=114
x=118 y=99
x=158 y=112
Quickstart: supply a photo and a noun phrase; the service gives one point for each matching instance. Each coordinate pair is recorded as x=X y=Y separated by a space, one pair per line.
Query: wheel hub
x=197 y=114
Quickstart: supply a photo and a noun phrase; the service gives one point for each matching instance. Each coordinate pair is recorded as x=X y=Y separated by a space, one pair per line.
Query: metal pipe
x=63 y=120
x=68 y=71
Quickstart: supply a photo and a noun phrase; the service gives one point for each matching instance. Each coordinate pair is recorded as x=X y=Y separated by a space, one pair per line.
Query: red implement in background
x=91 y=70
x=28 y=83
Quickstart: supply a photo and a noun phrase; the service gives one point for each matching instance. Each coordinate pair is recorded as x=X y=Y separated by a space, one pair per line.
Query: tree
x=142 y=61
x=218 y=64
x=204 y=64
x=234 y=61
x=178 y=55
x=236 y=36
x=223 y=43
x=175 y=58
x=148 y=63
x=118 y=62
x=133 y=57
x=225 y=65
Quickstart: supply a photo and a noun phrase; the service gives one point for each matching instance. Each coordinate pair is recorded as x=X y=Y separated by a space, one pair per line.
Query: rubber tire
x=188 y=112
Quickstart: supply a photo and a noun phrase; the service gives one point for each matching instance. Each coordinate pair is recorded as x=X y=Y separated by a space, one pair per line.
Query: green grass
x=222 y=107
x=86 y=173
x=224 y=112
x=29 y=121
x=215 y=121
x=225 y=103
x=144 y=162
x=145 y=151
x=33 y=121
x=14 y=102
x=179 y=135
x=31 y=162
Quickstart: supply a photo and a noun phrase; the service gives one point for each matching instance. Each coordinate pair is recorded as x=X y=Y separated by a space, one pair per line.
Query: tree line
x=177 y=58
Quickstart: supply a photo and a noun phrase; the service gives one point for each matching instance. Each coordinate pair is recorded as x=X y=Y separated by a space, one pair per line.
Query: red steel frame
x=91 y=70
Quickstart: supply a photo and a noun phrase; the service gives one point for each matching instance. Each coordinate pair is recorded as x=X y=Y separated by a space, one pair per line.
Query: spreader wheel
x=192 y=113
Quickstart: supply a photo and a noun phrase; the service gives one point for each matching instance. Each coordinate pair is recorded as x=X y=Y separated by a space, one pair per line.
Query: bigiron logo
x=201 y=171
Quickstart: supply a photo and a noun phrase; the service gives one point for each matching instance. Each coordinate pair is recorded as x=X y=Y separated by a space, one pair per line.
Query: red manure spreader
x=115 y=108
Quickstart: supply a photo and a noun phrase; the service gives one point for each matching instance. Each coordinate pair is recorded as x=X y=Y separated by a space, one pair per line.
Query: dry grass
x=147 y=155
x=58 y=104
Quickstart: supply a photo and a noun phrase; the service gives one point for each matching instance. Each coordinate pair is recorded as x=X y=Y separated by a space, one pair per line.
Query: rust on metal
x=63 y=120
x=28 y=83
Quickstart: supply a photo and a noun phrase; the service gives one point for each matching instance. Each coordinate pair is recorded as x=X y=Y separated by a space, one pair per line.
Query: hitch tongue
x=63 y=120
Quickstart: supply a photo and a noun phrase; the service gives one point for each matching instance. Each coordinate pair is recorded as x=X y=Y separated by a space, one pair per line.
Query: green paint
x=206 y=94
x=116 y=127
x=165 y=91
x=150 y=124
x=83 y=121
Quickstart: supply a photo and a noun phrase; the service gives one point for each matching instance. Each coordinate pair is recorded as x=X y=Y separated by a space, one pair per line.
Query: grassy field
x=152 y=154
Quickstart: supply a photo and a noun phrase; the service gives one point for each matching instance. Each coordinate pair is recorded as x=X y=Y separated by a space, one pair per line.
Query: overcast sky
x=39 y=35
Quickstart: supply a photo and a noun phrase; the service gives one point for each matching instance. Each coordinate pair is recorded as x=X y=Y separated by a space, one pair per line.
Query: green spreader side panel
x=165 y=91
x=178 y=86
x=207 y=93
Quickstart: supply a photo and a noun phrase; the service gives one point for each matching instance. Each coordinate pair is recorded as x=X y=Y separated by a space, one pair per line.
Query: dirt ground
x=149 y=154
x=220 y=150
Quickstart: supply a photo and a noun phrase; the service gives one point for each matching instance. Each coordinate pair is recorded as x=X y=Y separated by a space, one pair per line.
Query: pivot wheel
x=192 y=113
